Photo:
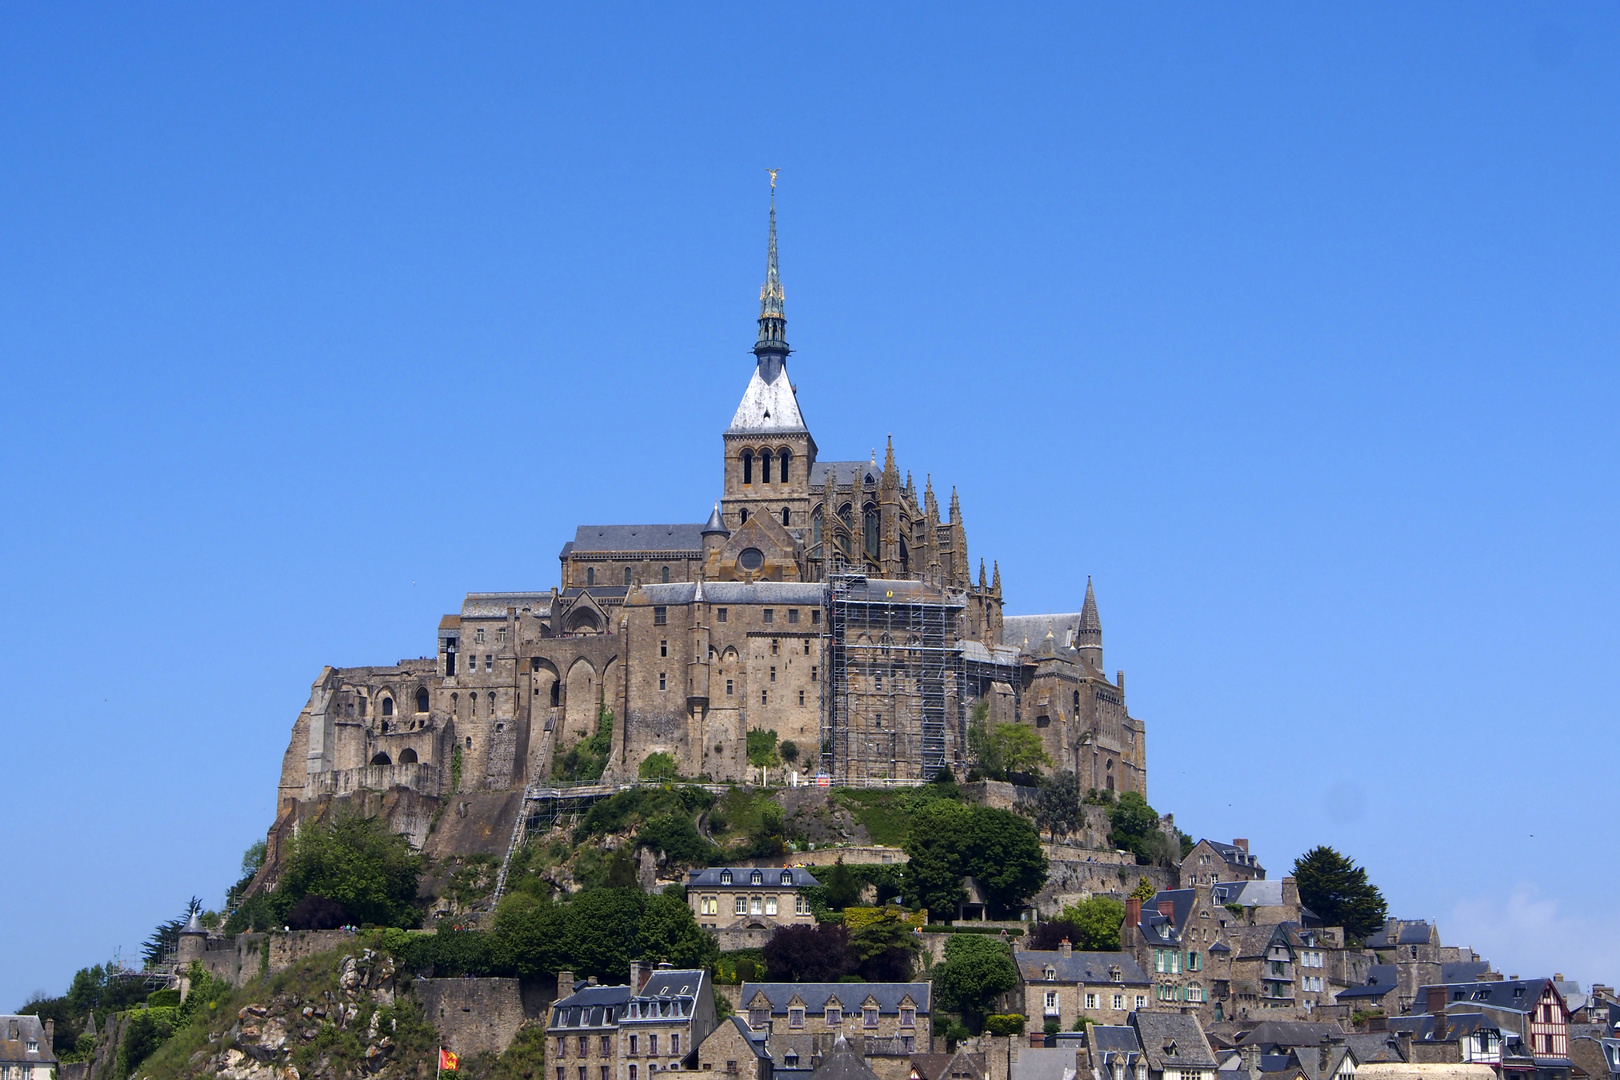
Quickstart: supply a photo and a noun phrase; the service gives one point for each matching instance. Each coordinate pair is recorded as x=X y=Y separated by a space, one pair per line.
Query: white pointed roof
x=768 y=406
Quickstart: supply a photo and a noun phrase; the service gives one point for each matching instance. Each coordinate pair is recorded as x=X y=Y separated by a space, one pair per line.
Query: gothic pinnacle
x=772 y=308
x=982 y=583
x=888 y=458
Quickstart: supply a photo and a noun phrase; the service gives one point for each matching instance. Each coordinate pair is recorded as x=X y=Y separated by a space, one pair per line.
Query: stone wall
x=243 y=957
x=416 y=775
x=473 y=1016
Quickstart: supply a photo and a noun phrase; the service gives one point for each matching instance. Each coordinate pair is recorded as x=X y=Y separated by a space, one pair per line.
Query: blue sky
x=1295 y=328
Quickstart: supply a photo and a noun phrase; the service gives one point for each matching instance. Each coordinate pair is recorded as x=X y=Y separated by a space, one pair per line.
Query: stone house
x=1116 y=1053
x=25 y=1048
x=1175 y=938
x=749 y=897
x=1598 y=1058
x=891 y=1017
x=629 y=1032
x=1379 y=991
x=1529 y=1014
x=1211 y=862
x=961 y=1065
x=736 y=1051
x=1064 y=985
x=1173 y=1046
x=1280 y=966
x=1414 y=949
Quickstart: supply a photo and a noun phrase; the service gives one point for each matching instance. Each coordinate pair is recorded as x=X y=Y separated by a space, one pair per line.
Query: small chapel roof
x=593 y=538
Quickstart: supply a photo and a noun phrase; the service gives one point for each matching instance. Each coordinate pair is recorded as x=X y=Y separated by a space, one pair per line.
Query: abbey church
x=827 y=601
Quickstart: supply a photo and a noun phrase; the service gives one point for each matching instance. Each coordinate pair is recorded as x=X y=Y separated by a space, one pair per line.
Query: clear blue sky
x=1296 y=328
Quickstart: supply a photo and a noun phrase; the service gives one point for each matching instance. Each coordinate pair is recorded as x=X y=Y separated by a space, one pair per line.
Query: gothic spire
x=1090 y=632
x=772 y=346
x=888 y=459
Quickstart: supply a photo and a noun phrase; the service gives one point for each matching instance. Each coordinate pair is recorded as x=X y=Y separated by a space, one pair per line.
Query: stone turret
x=1088 y=638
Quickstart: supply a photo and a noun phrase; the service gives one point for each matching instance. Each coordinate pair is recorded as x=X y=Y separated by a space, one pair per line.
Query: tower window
x=663 y=648
x=765 y=467
x=748 y=472
x=719 y=614
x=813 y=673
x=785 y=521
x=661 y=683
x=764 y=697
x=773 y=673
x=815 y=617
x=627 y=575
x=728 y=688
x=770 y=615
x=421 y=699
x=590 y=579
x=793 y=615
x=666 y=575
x=786 y=457
x=660 y=615
x=745 y=516
x=801 y=697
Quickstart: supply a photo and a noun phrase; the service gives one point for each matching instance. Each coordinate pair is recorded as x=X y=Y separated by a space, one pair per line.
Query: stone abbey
x=826 y=601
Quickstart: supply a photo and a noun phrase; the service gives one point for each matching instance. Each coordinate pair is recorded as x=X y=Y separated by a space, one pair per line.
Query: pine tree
x=1338 y=891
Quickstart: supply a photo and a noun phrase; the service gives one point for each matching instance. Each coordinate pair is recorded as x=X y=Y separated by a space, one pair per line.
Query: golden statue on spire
x=773 y=173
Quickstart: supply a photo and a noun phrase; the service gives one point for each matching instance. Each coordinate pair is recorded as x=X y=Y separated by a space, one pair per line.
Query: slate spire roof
x=715 y=525
x=769 y=404
x=1090 y=632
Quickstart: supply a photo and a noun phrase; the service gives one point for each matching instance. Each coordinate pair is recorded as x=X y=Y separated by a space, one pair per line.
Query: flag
x=448 y=1062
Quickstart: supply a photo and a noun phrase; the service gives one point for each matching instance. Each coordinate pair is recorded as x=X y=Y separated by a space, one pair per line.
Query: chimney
x=1290 y=892
x=1323 y=1053
x=1558 y=976
x=50 y=1032
x=1442 y=1027
x=1065 y=947
x=1251 y=1058
x=1167 y=908
x=1241 y=845
x=637 y=980
x=1403 y=1045
x=1436 y=1000
x=565 y=984
x=1133 y=919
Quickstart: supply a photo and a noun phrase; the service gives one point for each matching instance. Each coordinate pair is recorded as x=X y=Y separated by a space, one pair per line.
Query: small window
x=834 y=1015
x=590 y=579
x=756 y=878
x=801 y=697
x=773 y=673
x=785 y=521
x=770 y=615
x=388 y=706
x=627 y=574
x=660 y=616
x=489 y=663
x=666 y=575
x=663 y=647
x=748 y=468
x=765 y=467
x=728 y=687
x=787 y=877
x=869 y=1017
x=661 y=683
x=793 y=615
x=764 y=697
x=812 y=673
x=719 y=614
x=480 y=636
x=786 y=457
x=751 y=558
x=776 y=647
x=815 y=617
x=725 y=877
x=422 y=700
x=469 y=742
x=740 y=906
x=796 y=1019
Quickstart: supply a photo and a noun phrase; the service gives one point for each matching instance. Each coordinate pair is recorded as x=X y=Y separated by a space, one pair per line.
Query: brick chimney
x=1167 y=908
x=1241 y=845
x=1436 y=1001
x=1065 y=947
x=565 y=984
x=637 y=979
x=1133 y=919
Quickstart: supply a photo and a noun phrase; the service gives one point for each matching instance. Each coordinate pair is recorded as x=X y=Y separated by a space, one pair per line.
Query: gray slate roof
x=802 y=593
x=493 y=605
x=1172 y=1040
x=1374 y=1046
x=850 y=995
x=1018 y=629
x=1043 y=1063
x=1381 y=979
x=1107 y=1040
x=842 y=1064
x=600 y=538
x=1400 y=932
x=15 y=1034
x=1091 y=968
x=768 y=407
x=845 y=473
x=742 y=875
x=591 y=1007
x=1520 y=995
x=675 y=983
x=1291 y=1033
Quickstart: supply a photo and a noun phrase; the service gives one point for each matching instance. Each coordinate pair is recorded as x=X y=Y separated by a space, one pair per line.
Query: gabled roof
x=1092 y=968
x=1172 y=1040
x=1519 y=995
x=1234 y=855
x=850 y=995
x=1374 y=1046
x=493 y=605
x=600 y=538
x=843 y=1064
x=768 y=407
x=755 y=1041
x=1291 y=1033
x=675 y=983
x=845 y=473
x=1381 y=979
x=591 y=1007
x=958 y=1066
x=16 y=1032
x=1107 y=1041
x=742 y=875
x=1016 y=630
x=1401 y=932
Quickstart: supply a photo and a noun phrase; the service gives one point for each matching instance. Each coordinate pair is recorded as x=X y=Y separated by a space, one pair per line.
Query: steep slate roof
x=955 y=1066
x=1172 y=1040
x=1520 y=995
x=804 y=593
x=637 y=538
x=1092 y=968
x=675 y=983
x=1373 y=1046
x=768 y=407
x=493 y=605
x=591 y=1007
x=1463 y=970
x=15 y=1034
x=843 y=1063
x=850 y=995
x=1044 y=1063
x=1107 y=1042
x=1381 y=979
x=740 y=876
x=1400 y=932
x=1018 y=629
x=1291 y=1033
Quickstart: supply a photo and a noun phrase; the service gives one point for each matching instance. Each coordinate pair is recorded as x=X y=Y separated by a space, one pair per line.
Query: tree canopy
x=1338 y=891
x=948 y=841
x=1134 y=827
x=1002 y=750
x=977 y=969
x=1057 y=807
x=808 y=953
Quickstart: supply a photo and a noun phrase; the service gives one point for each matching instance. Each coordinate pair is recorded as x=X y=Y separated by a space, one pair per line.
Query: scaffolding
x=892 y=701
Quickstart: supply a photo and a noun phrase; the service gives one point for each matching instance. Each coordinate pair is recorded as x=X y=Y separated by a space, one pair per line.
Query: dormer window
x=756 y=878
x=725 y=877
x=787 y=877
x=1051 y=973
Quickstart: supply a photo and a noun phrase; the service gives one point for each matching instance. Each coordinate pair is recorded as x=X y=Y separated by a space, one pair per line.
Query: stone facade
x=1063 y=985
x=830 y=602
x=473 y=1016
x=749 y=897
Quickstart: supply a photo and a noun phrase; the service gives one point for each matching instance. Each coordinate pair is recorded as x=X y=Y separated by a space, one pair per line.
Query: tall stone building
x=830 y=602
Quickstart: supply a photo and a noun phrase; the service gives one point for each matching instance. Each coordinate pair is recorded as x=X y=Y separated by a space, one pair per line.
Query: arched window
x=455 y=705
x=905 y=558
x=382 y=759
x=765 y=467
x=745 y=516
x=666 y=575
x=816 y=518
x=748 y=466
x=388 y=706
x=407 y=756
x=421 y=699
x=871 y=523
x=785 y=521
x=590 y=576
x=556 y=691
x=847 y=512
x=627 y=576
x=786 y=457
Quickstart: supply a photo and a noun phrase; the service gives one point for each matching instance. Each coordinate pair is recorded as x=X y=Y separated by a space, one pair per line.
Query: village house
x=1064 y=985
x=629 y=1032
x=892 y=1018
x=1211 y=862
x=736 y=1050
x=1116 y=1053
x=749 y=897
x=1174 y=937
x=1529 y=1015
x=25 y=1048
x=1173 y=1046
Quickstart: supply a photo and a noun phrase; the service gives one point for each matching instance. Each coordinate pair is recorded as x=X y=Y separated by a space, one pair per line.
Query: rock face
x=262 y=1042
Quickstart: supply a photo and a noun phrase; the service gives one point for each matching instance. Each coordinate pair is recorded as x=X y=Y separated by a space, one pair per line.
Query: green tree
x=1134 y=827
x=762 y=748
x=841 y=888
x=166 y=938
x=1338 y=891
x=528 y=934
x=790 y=751
x=1004 y=749
x=598 y=932
x=356 y=862
x=587 y=758
x=948 y=841
x=882 y=943
x=621 y=870
x=657 y=766
x=1096 y=922
x=1057 y=806
x=1144 y=890
x=977 y=969
x=669 y=932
